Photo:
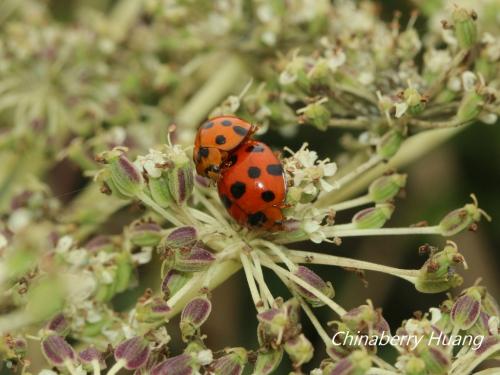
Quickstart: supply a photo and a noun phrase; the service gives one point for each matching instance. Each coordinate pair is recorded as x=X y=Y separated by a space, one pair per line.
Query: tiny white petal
x=400 y=109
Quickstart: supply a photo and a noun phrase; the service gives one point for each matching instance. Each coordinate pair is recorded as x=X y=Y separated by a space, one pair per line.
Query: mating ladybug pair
x=249 y=176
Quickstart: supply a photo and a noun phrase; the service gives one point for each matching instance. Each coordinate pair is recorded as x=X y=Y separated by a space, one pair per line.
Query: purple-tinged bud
x=316 y=282
x=389 y=144
x=173 y=281
x=358 y=362
x=490 y=305
x=385 y=188
x=232 y=363
x=195 y=259
x=299 y=349
x=183 y=237
x=366 y=319
x=153 y=310
x=99 y=243
x=466 y=308
x=373 y=217
x=179 y=365
x=58 y=324
x=488 y=342
x=180 y=179
x=92 y=358
x=267 y=361
x=438 y=274
x=464 y=26
x=437 y=360
x=124 y=177
x=133 y=353
x=481 y=326
x=158 y=188
x=145 y=233
x=57 y=351
x=194 y=314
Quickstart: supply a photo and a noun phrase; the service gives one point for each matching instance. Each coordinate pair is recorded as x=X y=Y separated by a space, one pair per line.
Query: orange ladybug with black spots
x=215 y=140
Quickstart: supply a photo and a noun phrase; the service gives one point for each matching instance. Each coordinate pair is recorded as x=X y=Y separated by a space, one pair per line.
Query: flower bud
x=99 y=243
x=464 y=25
x=194 y=314
x=416 y=104
x=487 y=343
x=466 y=308
x=470 y=107
x=232 y=363
x=437 y=274
x=299 y=349
x=490 y=305
x=317 y=114
x=123 y=273
x=45 y=299
x=179 y=365
x=133 y=353
x=279 y=323
x=362 y=317
x=159 y=190
x=267 y=361
x=437 y=360
x=373 y=217
x=415 y=366
x=91 y=356
x=358 y=362
x=153 y=310
x=315 y=282
x=124 y=177
x=385 y=188
x=481 y=326
x=180 y=179
x=389 y=144
x=58 y=324
x=194 y=259
x=172 y=282
x=57 y=351
x=145 y=233
x=181 y=237
x=460 y=219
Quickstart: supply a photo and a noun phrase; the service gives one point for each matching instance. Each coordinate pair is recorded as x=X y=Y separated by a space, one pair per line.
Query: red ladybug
x=215 y=141
x=252 y=186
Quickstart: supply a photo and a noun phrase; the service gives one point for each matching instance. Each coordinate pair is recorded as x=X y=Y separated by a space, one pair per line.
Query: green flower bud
x=373 y=217
x=278 y=323
x=145 y=233
x=45 y=299
x=437 y=360
x=180 y=179
x=364 y=317
x=315 y=282
x=123 y=273
x=159 y=190
x=490 y=305
x=466 y=308
x=320 y=72
x=153 y=310
x=464 y=25
x=357 y=363
x=232 y=363
x=461 y=219
x=389 y=144
x=416 y=104
x=267 y=361
x=195 y=259
x=317 y=114
x=415 y=366
x=299 y=349
x=124 y=176
x=385 y=188
x=438 y=274
x=470 y=107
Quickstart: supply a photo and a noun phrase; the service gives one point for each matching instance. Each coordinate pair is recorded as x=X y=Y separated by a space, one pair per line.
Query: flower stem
x=163 y=212
x=279 y=253
x=251 y=282
x=116 y=367
x=332 y=260
x=315 y=322
x=335 y=231
x=266 y=293
x=327 y=301
x=69 y=366
x=348 y=123
x=345 y=205
x=96 y=368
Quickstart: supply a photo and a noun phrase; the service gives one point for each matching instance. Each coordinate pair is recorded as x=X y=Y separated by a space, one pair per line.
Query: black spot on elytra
x=274 y=169
x=220 y=139
x=257 y=219
x=233 y=159
x=238 y=189
x=253 y=172
x=203 y=152
x=226 y=123
x=207 y=125
x=254 y=148
x=226 y=201
x=267 y=196
x=240 y=130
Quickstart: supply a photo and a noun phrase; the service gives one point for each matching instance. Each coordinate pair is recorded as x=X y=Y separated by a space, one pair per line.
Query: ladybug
x=252 y=186
x=215 y=140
